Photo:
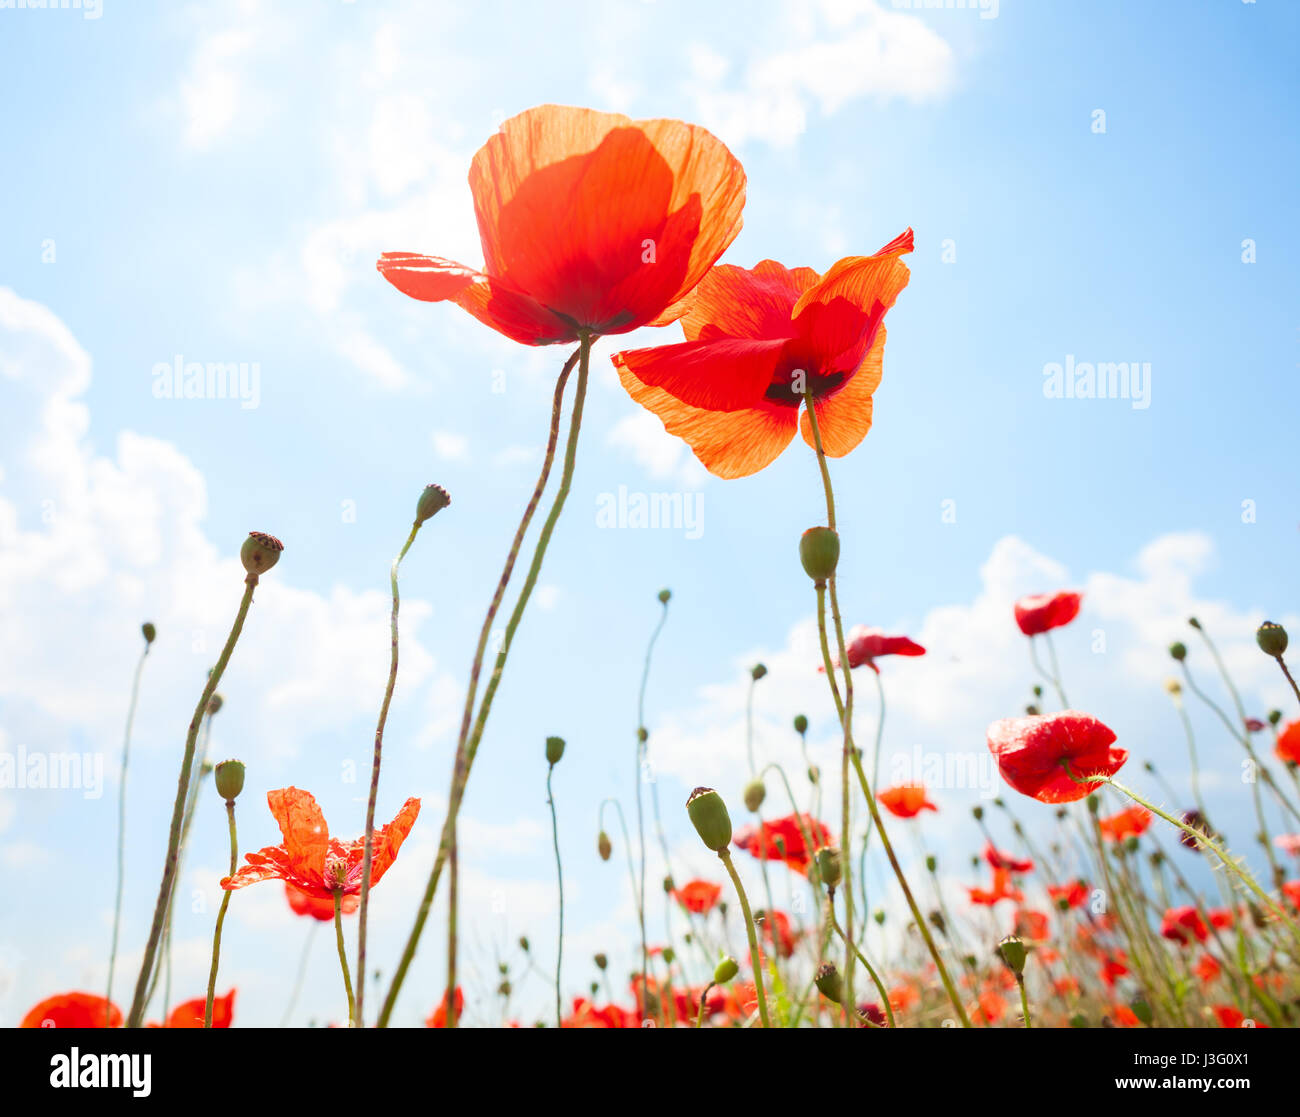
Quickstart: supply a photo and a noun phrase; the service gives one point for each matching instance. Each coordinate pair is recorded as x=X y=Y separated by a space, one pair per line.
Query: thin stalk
x=221 y=916
x=559 y=881
x=343 y=954
x=724 y=855
x=302 y=973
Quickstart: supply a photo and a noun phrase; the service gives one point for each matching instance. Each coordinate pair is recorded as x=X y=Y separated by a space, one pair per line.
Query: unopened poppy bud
x=879 y=917
x=229 y=776
x=260 y=552
x=936 y=918
x=1194 y=622
x=1031 y=710
x=709 y=816
x=149 y=631
x=604 y=846
x=642 y=734
x=432 y=501
x=755 y=793
x=523 y=943
x=1131 y=844
x=554 y=750
x=504 y=989
x=814 y=775
x=1178 y=650
x=1274 y=716
x=668 y=885
x=800 y=724
x=757 y=671
x=1271 y=638
x=601 y=961
x=670 y=955
x=1142 y=1011
x=215 y=703
x=931 y=863
x=665 y=595
x=1078 y=1021
x=819 y=551
x=978 y=812
x=1094 y=804
x=726 y=969
x=1038 y=691
x=829 y=983
x=829 y=867
x=1013 y=954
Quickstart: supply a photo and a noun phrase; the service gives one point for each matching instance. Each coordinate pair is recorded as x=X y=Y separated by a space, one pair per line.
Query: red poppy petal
x=844 y=417
x=726 y=374
x=735 y=302
x=428 y=278
x=306 y=836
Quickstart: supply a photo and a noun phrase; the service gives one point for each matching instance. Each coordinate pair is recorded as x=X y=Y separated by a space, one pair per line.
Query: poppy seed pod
x=554 y=750
x=726 y=969
x=757 y=671
x=879 y=916
x=260 y=552
x=643 y=734
x=601 y=961
x=523 y=943
x=1271 y=638
x=149 y=631
x=1013 y=953
x=977 y=811
x=1178 y=650
x=214 y=704
x=604 y=846
x=829 y=983
x=665 y=595
x=709 y=816
x=1274 y=716
x=828 y=866
x=800 y=724
x=229 y=778
x=432 y=501
x=819 y=551
x=755 y=793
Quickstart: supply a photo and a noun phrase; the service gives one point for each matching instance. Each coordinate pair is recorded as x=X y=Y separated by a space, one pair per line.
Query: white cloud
x=450 y=446
x=664 y=458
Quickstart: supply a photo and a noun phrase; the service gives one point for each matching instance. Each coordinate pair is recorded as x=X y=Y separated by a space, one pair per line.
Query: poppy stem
x=756 y=962
x=368 y=857
x=343 y=954
x=642 y=736
x=121 y=826
x=136 y=1017
x=1282 y=664
x=468 y=745
x=1056 y=670
x=221 y=916
x=302 y=973
x=880 y=988
x=559 y=881
x=1024 y=1001
x=699 y=1020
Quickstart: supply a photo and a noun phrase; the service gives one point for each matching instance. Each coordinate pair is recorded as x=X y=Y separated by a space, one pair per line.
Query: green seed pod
x=1013 y=954
x=214 y=704
x=800 y=724
x=670 y=955
x=523 y=943
x=1271 y=638
x=726 y=969
x=601 y=961
x=643 y=734
x=150 y=632
x=978 y=812
x=554 y=750
x=432 y=501
x=665 y=595
x=1178 y=650
x=229 y=778
x=819 y=551
x=829 y=867
x=1274 y=716
x=604 y=846
x=709 y=815
x=829 y=983
x=931 y=863
x=755 y=793
x=879 y=917
x=260 y=552
x=757 y=671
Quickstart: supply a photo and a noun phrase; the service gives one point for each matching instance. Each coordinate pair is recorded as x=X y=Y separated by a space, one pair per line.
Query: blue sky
x=215 y=181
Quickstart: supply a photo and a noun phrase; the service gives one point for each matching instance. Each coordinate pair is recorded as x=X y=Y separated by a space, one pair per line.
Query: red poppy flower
x=1182 y=925
x=997 y=859
x=303 y=904
x=1232 y=1017
x=755 y=341
x=1208 y=968
x=1040 y=612
x=73 y=1010
x=698 y=896
x=310 y=859
x=1288 y=843
x=1031 y=752
x=588 y=220
x=782 y=840
x=1001 y=890
x=906 y=800
x=866 y=645
x=1221 y=918
x=189 y=1014
x=1288 y=743
x=1113 y=967
x=1124 y=1017
x=903 y=997
x=438 y=1017
x=1032 y=926
x=988 y=1009
x=1074 y=894
x=1066 y=986
x=774 y=928
x=1125 y=824
x=1292 y=891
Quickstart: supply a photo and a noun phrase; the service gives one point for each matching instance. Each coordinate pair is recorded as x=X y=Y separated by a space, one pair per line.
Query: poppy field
x=1062 y=868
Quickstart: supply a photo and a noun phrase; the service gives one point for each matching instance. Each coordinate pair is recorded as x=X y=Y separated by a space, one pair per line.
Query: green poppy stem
x=559 y=881
x=343 y=954
x=724 y=855
x=221 y=916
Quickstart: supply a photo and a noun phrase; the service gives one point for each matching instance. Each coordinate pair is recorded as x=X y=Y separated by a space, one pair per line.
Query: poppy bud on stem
x=230 y=782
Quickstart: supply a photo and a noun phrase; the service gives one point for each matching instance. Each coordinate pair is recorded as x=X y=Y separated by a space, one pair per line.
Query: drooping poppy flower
x=757 y=341
x=1072 y=895
x=438 y=1017
x=1207 y=968
x=1196 y=821
x=1002 y=889
x=866 y=645
x=73 y=1010
x=906 y=800
x=698 y=896
x=588 y=221
x=189 y=1014
x=1040 y=612
x=1288 y=843
x=1032 y=926
x=302 y=904
x=1288 y=743
x=1032 y=751
x=997 y=859
x=782 y=839
x=1183 y=925
x=1125 y=824
x=310 y=859
x=872 y=1015
x=1254 y=725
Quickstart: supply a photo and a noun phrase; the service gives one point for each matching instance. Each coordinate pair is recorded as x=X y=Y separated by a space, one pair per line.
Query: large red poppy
x=1183 y=925
x=1031 y=752
x=782 y=840
x=1125 y=824
x=73 y=1010
x=698 y=896
x=438 y=1017
x=588 y=220
x=310 y=859
x=1040 y=612
x=866 y=645
x=189 y=1014
x=733 y=390
x=906 y=800
x=1288 y=743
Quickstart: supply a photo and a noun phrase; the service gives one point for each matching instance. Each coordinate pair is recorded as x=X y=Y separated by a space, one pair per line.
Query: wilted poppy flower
x=1208 y=968
x=782 y=840
x=698 y=896
x=310 y=859
x=906 y=800
x=1031 y=753
x=1073 y=895
x=1033 y=926
x=866 y=645
x=1125 y=824
x=303 y=904
x=1254 y=725
x=73 y=1010
x=1001 y=890
x=189 y=1014
x=1288 y=743
x=1196 y=821
x=1288 y=843
x=1183 y=925
x=1040 y=612
x=997 y=859
x=756 y=341
x=438 y=1017
x=588 y=221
